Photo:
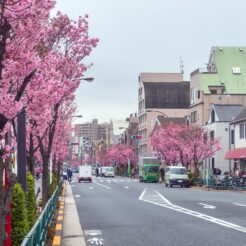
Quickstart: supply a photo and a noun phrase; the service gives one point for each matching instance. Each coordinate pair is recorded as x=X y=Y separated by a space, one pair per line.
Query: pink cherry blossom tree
x=21 y=27
x=189 y=145
x=121 y=153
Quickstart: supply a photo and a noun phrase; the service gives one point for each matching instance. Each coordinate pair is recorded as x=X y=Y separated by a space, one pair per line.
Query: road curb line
x=60 y=218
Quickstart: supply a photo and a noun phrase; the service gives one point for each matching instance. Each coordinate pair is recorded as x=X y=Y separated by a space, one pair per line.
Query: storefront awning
x=236 y=154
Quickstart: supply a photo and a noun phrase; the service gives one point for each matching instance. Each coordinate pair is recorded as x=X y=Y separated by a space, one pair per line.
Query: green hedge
x=30 y=200
x=19 y=215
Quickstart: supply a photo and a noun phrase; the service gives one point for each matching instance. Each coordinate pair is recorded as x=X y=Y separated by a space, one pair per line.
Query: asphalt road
x=124 y=212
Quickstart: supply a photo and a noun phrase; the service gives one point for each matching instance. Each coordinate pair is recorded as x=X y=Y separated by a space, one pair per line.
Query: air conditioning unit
x=236 y=70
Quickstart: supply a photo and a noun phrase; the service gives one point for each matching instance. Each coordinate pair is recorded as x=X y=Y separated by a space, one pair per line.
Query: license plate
x=180 y=181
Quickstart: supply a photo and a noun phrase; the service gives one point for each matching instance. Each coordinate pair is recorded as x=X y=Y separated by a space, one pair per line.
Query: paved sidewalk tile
x=72 y=233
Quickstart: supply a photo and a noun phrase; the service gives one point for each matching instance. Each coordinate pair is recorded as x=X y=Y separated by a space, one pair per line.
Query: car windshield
x=178 y=171
x=109 y=169
x=151 y=169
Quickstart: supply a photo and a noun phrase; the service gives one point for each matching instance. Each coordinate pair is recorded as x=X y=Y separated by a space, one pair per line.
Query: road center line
x=167 y=204
x=238 y=204
x=107 y=187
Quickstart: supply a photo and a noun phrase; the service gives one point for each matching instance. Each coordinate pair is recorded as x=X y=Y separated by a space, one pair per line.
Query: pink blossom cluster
x=41 y=67
x=189 y=145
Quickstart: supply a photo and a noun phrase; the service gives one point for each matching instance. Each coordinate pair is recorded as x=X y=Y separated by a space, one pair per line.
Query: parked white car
x=107 y=172
x=176 y=175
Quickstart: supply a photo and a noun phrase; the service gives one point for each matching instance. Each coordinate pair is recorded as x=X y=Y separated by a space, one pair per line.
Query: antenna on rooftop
x=181 y=65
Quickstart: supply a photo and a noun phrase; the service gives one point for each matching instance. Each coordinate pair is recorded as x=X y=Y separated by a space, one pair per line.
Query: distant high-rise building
x=93 y=131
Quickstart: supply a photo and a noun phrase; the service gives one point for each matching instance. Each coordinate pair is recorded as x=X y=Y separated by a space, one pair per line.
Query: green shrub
x=192 y=178
x=31 y=200
x=19 y=216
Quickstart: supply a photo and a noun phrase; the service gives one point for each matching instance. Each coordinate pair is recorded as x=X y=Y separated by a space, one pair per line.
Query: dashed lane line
x=107 y=187
x=238 y=204
x=147 y=196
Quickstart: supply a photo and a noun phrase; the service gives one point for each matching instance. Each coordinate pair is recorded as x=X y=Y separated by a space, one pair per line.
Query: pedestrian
x=133 y=173
x=37 y=175
x=69 y=175
x=97 y=171
x=162 y=172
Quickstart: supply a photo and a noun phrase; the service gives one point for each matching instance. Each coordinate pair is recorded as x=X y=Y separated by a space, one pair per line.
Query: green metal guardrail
x=37 y=235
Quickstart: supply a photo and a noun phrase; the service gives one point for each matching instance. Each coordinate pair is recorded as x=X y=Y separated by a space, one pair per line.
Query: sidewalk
x=72 y=233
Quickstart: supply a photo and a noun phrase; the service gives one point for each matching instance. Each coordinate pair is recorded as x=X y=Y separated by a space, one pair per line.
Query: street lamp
x=163 y=114
x=88 y=79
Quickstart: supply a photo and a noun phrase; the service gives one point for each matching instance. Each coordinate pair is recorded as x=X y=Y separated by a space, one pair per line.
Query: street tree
x=21 y=27
x=121 y=154
x=179 y=143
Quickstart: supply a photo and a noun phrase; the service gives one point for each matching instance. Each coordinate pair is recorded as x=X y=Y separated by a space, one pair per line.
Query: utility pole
x=21 y=149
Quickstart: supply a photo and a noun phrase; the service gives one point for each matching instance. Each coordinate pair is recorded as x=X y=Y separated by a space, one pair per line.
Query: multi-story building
x=90 y=136
x=223 y=81
x=160 y=94
x=237 y=149
x=219 y=126
x=93 y=131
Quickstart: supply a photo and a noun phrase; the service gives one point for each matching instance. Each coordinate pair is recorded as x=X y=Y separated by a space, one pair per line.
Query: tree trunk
x=58 y=172
x=45 y=193
x=2 y=214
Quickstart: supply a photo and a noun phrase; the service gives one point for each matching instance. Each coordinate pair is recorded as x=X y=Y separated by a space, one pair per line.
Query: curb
x=218 y=190
x=60 y=218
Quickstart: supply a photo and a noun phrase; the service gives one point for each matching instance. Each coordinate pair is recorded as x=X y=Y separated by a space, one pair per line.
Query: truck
x=149 y=169
x=85 y=174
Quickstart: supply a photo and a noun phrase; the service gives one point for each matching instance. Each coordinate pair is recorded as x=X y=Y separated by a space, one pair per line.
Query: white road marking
x=126 y=187
x=93 y=232
x=107 y=187
x=207 y=205
x=238 y=204
x=145 y=196
x=96 y=241
x=91 y=188
x=72 y=185
x=77 y=195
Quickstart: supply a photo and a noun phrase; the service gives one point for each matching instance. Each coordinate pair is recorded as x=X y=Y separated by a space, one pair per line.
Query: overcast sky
x=148 y=36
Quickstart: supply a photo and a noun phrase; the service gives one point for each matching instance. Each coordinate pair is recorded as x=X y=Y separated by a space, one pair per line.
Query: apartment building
x=223 y=81
x=163 y=94
x=94 y=131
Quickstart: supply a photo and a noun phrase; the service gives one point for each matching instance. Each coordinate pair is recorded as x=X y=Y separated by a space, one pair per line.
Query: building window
x=232 y=137
x=212 y=135
x=192 y=95
x=213 y=116
x=241 y=129
x=213 y=92
x=193 y=117
x=198 y=94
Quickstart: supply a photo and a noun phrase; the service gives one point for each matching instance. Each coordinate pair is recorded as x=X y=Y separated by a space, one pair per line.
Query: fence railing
x=37 y=235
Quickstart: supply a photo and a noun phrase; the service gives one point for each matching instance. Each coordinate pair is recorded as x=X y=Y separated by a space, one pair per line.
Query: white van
x=85 y=173
x=176 y=175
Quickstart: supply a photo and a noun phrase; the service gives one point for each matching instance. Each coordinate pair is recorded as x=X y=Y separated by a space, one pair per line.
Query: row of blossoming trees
x=119 y=154
x=41 y=66
x=180 y=143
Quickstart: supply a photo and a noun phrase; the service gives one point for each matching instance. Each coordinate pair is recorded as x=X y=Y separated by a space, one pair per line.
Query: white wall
x=239 y=143
x=221 y=131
